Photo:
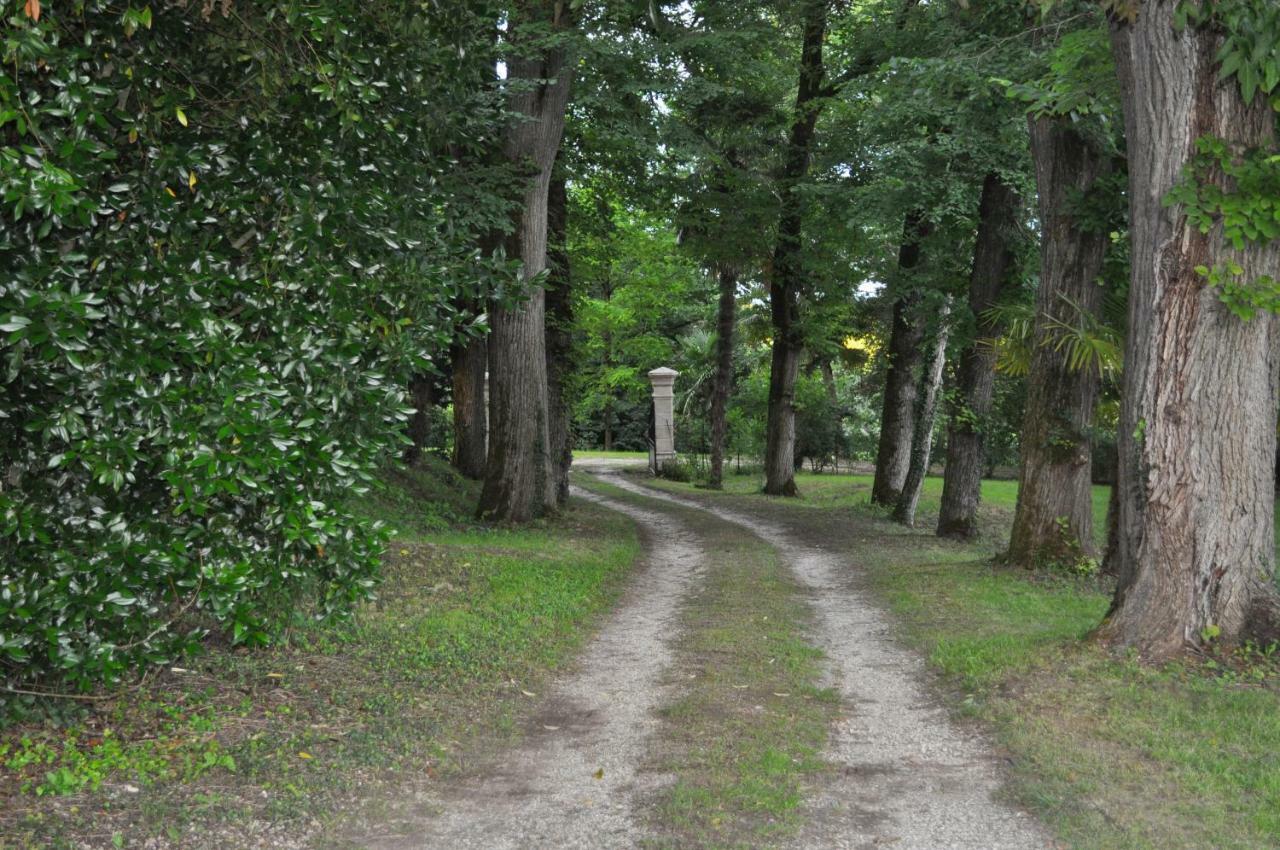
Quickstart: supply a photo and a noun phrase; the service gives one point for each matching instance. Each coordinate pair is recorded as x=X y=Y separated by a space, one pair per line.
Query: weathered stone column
x=664 y=418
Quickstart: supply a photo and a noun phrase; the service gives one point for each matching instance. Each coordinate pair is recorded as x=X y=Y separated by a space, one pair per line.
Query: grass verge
x=1109 y=753
x=248 y=749
x=744 y=734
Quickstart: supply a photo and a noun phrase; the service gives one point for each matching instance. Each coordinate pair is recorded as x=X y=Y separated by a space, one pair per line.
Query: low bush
x=209 y=307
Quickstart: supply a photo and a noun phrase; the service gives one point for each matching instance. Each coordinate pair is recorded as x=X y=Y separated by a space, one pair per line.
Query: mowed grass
x=234 y=747
x=850 y=490
x=589 y=454
x=743 y=733
x=999 y=498
x=1108 y=752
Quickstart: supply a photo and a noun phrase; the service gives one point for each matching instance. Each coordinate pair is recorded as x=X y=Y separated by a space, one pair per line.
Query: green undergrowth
x=468 y=620
x=744 y=733
x=1110 y=753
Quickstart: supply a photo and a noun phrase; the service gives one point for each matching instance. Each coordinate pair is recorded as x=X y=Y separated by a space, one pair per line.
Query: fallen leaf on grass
x=275 y=675
x=527 y=693
x=305 y=756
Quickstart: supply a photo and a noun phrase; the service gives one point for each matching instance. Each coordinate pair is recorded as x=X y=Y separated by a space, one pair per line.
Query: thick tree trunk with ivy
x=926 y=414
x=906 y=340
x=786 y=275
x=470 y=413
x=726 y=318
x=1053 y=522
x=1196 y=547
x=519 y=484
x=559 y=338
x=993 y=264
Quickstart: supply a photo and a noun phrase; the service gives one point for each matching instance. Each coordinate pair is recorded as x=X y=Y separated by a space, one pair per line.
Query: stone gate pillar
x=664 y=417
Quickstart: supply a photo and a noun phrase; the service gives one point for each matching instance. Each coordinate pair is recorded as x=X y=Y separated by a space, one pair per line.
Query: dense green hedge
x=231 y=232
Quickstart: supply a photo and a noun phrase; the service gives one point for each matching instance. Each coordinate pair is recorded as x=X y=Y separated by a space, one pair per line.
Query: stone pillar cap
x=662 y=372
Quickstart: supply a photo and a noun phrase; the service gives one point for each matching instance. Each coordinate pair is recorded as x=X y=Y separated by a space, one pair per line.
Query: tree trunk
x=726 y=318
x=422 y=395
x=787 y=275
x=993 y=263
x=922 y=439
x=1053 y=522
x=559 y=338
x=519 y=484
x=470 y=417
x=780 y=436
x=906 y=339
x=1196 y=553
x=829 y=382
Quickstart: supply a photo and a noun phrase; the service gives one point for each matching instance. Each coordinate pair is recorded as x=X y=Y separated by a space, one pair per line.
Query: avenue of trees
x=253 y=251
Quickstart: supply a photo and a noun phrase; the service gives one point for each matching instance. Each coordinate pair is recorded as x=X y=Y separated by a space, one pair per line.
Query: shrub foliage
x=232 y=231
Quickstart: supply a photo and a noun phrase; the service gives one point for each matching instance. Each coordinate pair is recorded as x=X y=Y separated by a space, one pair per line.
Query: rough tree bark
x=726 y=318
x=1054 y=517
x=559 y=339
x=906 y=339
x=993 y=263
x=786 y=275
x=904 y=511
x=518 y=483
x=470 y=416
x=423 y=397
x=1195 y=551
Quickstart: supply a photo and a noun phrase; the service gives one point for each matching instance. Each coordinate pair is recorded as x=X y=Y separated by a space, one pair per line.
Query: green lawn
x=1110 y=753
x=827 y=490
x=434 y=671
x=588 y=454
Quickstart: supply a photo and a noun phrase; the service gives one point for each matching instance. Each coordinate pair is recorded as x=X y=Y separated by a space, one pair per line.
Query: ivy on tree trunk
x=1195 y=551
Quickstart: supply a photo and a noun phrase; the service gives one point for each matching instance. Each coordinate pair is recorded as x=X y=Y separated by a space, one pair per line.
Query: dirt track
x=904 y=776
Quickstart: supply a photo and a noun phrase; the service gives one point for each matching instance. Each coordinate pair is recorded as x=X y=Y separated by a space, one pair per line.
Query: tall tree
x=1196 y=553
x=470 y=361
x=904 y=510
x=993 y=265
x=906 y=339
x=786 y=273
x=519 y=483
x=1054 y=516
x=559 y=340
x=722 y=382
